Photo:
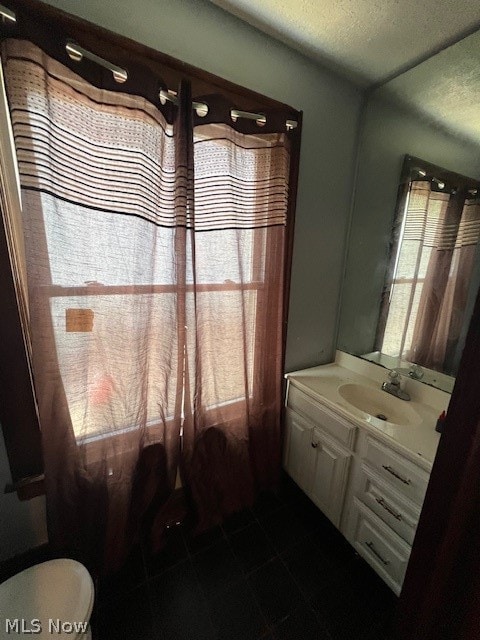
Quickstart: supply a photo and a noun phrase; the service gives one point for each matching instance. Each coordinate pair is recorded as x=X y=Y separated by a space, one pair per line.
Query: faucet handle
x=394 y=377
x=416 y=372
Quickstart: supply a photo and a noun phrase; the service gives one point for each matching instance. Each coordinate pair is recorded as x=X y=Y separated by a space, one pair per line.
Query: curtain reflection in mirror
x=432 y=278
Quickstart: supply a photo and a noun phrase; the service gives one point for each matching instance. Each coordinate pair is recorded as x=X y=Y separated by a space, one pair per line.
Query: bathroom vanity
x=363 y=456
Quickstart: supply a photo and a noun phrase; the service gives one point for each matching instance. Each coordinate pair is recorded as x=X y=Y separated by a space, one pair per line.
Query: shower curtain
x=156 y=245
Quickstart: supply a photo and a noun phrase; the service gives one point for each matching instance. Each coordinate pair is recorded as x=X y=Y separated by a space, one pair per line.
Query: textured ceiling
x=446 y=88
x=365 y=40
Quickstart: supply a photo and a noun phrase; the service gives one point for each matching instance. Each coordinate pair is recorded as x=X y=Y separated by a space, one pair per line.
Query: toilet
x=53 y=599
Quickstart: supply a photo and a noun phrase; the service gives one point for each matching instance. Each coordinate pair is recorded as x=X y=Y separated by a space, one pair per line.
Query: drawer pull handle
x=371 y=546
x=315 y=444
x=395 y=474
x=387 y=507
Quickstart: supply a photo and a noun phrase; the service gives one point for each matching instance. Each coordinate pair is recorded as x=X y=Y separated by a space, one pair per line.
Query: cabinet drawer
x=400 y=514
x=380 y=546
x=337 y=427
x=403 y=475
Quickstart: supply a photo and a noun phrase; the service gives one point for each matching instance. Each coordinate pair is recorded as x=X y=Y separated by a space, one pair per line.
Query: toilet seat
x=56 y=590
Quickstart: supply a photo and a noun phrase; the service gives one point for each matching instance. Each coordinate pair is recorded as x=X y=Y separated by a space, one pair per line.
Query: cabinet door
x=300 y=455
x=329 y=476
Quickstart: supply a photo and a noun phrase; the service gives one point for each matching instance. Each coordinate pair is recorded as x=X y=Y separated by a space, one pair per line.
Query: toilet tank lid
x=57 y=592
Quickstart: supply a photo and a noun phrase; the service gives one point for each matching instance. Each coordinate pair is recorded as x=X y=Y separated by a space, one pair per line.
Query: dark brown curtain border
x=18 y=412
x=289 y=238
x=295 y=135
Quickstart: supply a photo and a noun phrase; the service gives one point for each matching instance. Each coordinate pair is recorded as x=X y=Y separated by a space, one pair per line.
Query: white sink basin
x=379 y=404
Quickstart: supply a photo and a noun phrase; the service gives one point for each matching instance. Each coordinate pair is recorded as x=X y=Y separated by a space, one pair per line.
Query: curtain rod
x=440 y=183
x=202 y=109
x=443 y=178
x=423 y=174
x=78 y=53
x=120 y=75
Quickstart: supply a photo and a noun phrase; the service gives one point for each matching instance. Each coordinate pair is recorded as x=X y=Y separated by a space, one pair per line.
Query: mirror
x=432 y=115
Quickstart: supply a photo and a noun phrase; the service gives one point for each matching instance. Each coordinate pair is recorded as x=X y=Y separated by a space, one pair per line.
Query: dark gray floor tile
x=349 y=612
x=179 y=607
x=174 y=551
x=197 y=543
x=310 y=568
x=236 y=615
x=126 y=618
x=380 y=632
x=275 y=591
x=217 y=568
x=284 y=528
x=309 y=514
x=251 y=547
x=238 y=521
x=267 y=502
x=289 y=491
x=362 y=578
x=301 y=624
x=334 y=547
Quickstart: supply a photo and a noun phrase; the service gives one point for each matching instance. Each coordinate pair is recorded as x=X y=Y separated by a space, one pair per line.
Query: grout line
x=204 y=598
x=245 y=575
x=184 y=539
x=307 y=601
x=270 y=627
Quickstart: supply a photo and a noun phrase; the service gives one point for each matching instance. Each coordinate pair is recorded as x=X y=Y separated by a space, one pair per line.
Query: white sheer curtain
x=102 y=208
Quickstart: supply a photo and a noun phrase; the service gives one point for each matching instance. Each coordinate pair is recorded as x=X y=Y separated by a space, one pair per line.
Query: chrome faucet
x=393 y=386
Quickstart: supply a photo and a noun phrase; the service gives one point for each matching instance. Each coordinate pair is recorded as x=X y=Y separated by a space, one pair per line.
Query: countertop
x=417 y=442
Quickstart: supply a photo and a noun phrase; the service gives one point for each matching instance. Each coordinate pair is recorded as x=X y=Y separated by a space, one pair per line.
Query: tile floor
x=278 y=571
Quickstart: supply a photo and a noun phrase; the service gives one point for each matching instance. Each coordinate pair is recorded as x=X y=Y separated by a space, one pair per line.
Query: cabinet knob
x=314 y=445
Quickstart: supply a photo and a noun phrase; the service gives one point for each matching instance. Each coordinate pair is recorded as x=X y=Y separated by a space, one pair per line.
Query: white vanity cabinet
x=370 y=487
x=317 y=452
x=382 y=508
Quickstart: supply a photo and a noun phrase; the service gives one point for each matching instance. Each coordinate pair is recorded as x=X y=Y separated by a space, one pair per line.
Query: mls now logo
x=20 y=625
x=34 y=626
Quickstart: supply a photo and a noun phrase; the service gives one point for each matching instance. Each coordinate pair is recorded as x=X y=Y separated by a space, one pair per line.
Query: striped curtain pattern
x=155 y=248
x=431 y=285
